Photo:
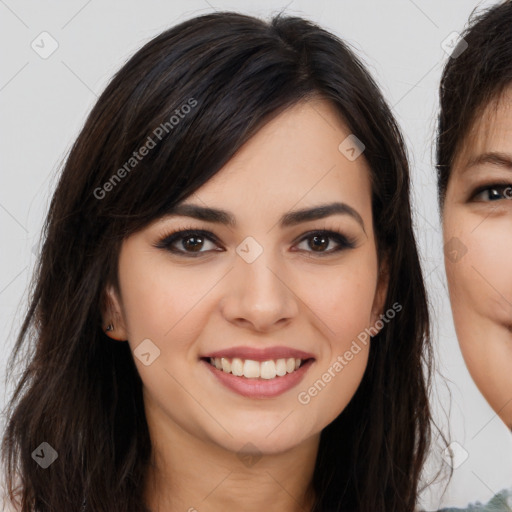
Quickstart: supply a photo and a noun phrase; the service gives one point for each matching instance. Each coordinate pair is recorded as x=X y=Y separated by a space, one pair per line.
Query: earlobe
x=114 y=325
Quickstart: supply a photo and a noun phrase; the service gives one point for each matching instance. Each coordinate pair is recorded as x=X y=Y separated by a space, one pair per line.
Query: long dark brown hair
x=80 y=392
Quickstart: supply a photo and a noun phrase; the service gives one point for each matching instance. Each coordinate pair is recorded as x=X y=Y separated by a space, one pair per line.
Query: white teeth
x=237 y=367
x=268 y=370
x=251 y=369
x=281 y=367
x=226 y=365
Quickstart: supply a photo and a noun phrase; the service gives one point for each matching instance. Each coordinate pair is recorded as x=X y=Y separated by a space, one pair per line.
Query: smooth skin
x=208 y=298
x=478 y=214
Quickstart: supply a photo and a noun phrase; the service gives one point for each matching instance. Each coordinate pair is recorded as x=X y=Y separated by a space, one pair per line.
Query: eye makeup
x=320 y=237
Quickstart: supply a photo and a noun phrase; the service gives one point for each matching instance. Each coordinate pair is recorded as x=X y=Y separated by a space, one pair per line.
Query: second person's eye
x=493 y=192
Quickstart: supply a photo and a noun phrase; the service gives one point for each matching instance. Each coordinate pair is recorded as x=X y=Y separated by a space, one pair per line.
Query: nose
x=259 y=295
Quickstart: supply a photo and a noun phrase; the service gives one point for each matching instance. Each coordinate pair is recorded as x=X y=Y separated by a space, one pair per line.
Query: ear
x=381 y=292
x=112 y=314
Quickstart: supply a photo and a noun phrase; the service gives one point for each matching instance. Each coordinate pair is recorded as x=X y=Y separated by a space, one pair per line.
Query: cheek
x=344 y=305
x=490 y=256
x=481 y=280
x=161 y=300
x=480 y=284
x=341 y=296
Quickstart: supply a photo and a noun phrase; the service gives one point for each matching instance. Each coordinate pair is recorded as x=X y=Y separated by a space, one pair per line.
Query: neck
x=189 y=473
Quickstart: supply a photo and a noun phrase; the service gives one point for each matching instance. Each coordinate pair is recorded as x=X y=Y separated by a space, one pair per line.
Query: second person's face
x=477 y=220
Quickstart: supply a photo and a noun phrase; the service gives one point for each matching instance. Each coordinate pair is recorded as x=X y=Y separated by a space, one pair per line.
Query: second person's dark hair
x=471 y=81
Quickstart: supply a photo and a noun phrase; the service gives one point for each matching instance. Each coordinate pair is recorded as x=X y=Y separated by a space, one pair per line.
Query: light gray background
x=44 y=103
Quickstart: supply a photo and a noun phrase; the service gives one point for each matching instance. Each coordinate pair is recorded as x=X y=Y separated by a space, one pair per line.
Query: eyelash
x=167 y=241
x=491 y=186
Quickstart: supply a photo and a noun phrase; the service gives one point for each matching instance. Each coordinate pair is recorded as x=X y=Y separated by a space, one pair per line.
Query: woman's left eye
x=319 y=240
x=192 y=242
x=493 y=192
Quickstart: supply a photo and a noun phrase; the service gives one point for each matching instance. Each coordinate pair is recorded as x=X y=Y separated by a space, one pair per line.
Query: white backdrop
x=45 y=96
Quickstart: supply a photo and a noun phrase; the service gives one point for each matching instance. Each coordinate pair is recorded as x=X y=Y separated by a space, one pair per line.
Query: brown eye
x=188 y=242
x=193 y=243
x=319 y=241
x=493 y=193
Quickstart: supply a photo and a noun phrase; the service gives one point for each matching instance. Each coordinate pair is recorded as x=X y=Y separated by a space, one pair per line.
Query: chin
x=263 y=438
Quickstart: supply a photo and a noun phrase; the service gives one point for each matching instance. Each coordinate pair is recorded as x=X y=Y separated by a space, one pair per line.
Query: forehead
x=491 y=130
x=296 y=155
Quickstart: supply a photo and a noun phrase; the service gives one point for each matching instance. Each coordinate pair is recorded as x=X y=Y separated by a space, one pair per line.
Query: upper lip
x=260 y=354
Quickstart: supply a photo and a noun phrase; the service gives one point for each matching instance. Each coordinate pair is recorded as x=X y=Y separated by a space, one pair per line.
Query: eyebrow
x=291 y=218
x=492 y=158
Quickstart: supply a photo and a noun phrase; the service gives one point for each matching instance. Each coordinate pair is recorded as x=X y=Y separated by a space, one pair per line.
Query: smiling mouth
x=251 y=369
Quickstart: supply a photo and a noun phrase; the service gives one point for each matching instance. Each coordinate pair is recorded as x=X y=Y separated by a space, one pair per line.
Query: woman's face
x=260 y=292
x=478 y=253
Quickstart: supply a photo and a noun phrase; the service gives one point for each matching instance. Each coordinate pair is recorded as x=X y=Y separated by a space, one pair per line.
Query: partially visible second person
x=474 y=166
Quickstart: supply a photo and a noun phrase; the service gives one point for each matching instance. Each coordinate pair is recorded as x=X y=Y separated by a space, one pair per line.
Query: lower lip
x=260 y=388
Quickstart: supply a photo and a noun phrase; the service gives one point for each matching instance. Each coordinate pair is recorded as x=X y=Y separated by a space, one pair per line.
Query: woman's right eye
x=493 y=192
x=190 y=242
